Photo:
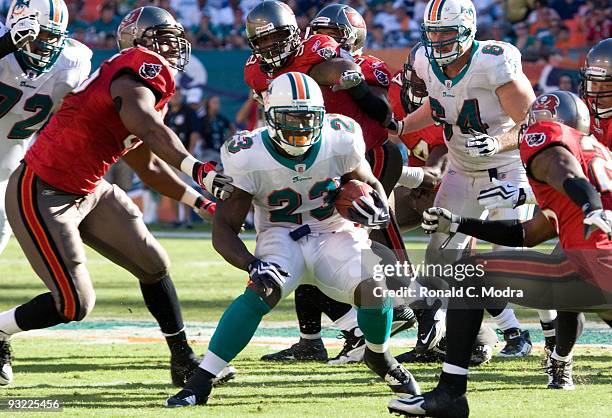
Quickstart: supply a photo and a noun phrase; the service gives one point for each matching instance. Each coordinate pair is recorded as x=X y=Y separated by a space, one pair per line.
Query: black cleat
x=402 y=382
x=435 y=355
x=6 y=358
x=185 y=397
x=518 y=343
x=437 y=403
x=353 y=349
x=182 y=367
x=430 y=330
x=303 y=350
x=403 y=318
x=196 y=391
x=559 y=374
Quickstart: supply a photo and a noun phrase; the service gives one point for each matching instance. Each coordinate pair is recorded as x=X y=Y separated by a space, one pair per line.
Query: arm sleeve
x=235 y=165
x=352 y=145
x=509 y=233
x=376 y=72
x=149 y=68
x=505 y=67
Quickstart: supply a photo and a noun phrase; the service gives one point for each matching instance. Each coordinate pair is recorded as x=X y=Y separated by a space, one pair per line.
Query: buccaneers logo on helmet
x=548 y=102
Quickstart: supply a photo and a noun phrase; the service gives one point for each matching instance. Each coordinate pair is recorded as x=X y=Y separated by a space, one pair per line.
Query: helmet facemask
x=168 y=41
x=341 y=34
x=41 y=54
x=597 y=91
x=279 y=44
x=295 y=129
x=414 y=91
x=435 y=50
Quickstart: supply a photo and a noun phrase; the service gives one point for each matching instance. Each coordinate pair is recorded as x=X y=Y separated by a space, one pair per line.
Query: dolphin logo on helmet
x=41 y=54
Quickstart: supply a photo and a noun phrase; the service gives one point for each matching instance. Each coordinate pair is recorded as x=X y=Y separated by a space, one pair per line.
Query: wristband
x=582 y=193
x=188 y=164
x=190 y=197
x=411 y=177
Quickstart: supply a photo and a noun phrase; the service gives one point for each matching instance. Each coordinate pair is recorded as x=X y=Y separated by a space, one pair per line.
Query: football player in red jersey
x=61 y=200
x=427 y=150
x=597 y=89
x=353 y=86
x=569 y=172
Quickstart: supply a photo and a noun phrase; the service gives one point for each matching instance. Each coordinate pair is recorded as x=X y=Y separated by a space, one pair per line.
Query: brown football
x=349 y=192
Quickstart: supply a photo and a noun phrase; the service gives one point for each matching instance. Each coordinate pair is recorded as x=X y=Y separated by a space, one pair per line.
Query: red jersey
x=600 y=130
x=596 y=163
x=590 y=258
x=313 y=51
x=421 y=142
x=81 y=141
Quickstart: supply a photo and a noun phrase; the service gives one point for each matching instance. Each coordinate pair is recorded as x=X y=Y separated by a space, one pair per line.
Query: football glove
x=348 y=80
x=598 y=219
x=205 y=209
x=481 y=145
x=267 y=275
x=25 y=30
x=215 y=183
x=505 y=195
x=370 y=211
x=440 y=220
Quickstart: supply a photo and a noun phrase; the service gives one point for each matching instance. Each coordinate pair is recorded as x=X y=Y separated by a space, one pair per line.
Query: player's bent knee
x=86 y=305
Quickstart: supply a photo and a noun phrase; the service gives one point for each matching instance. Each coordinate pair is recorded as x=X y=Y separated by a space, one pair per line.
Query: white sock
x=212 y=363
x=452 y=369
x=310 y=336
x=348 y=321
x=547 y=315
x=561 y=358
x=507 y=319
x=378 y=348
x=8 y=325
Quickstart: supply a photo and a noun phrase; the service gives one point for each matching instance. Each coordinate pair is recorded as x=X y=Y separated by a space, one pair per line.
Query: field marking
x=137 y=332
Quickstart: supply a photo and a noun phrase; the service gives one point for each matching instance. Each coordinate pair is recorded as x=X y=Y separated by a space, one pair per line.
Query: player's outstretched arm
x=557 y=167
x=417 y=120
x=158 y=175
x=135 y=103
x=515 y=98
x=511 y=233
x=344 y=74
x=229 y=218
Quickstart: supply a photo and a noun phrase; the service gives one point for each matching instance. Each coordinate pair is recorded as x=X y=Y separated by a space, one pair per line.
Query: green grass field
x=103 y=376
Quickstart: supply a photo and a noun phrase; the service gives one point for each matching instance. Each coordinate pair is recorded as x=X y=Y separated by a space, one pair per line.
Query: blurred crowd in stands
x=540 y=28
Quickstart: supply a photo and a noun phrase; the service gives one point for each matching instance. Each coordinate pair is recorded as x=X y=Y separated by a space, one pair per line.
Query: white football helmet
x=443 y=16
x=294 y=112
x=40 y=54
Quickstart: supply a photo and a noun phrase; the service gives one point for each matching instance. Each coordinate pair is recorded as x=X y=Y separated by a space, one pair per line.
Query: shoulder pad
x=74 y=54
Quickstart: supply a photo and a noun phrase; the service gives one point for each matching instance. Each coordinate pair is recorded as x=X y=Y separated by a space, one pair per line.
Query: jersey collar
x=298 y=166
x=453 y=82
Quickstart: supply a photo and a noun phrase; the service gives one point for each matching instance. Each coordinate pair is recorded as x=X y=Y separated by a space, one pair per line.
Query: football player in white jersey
x=286 y=171
x=478 y=92
x=40 y=65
